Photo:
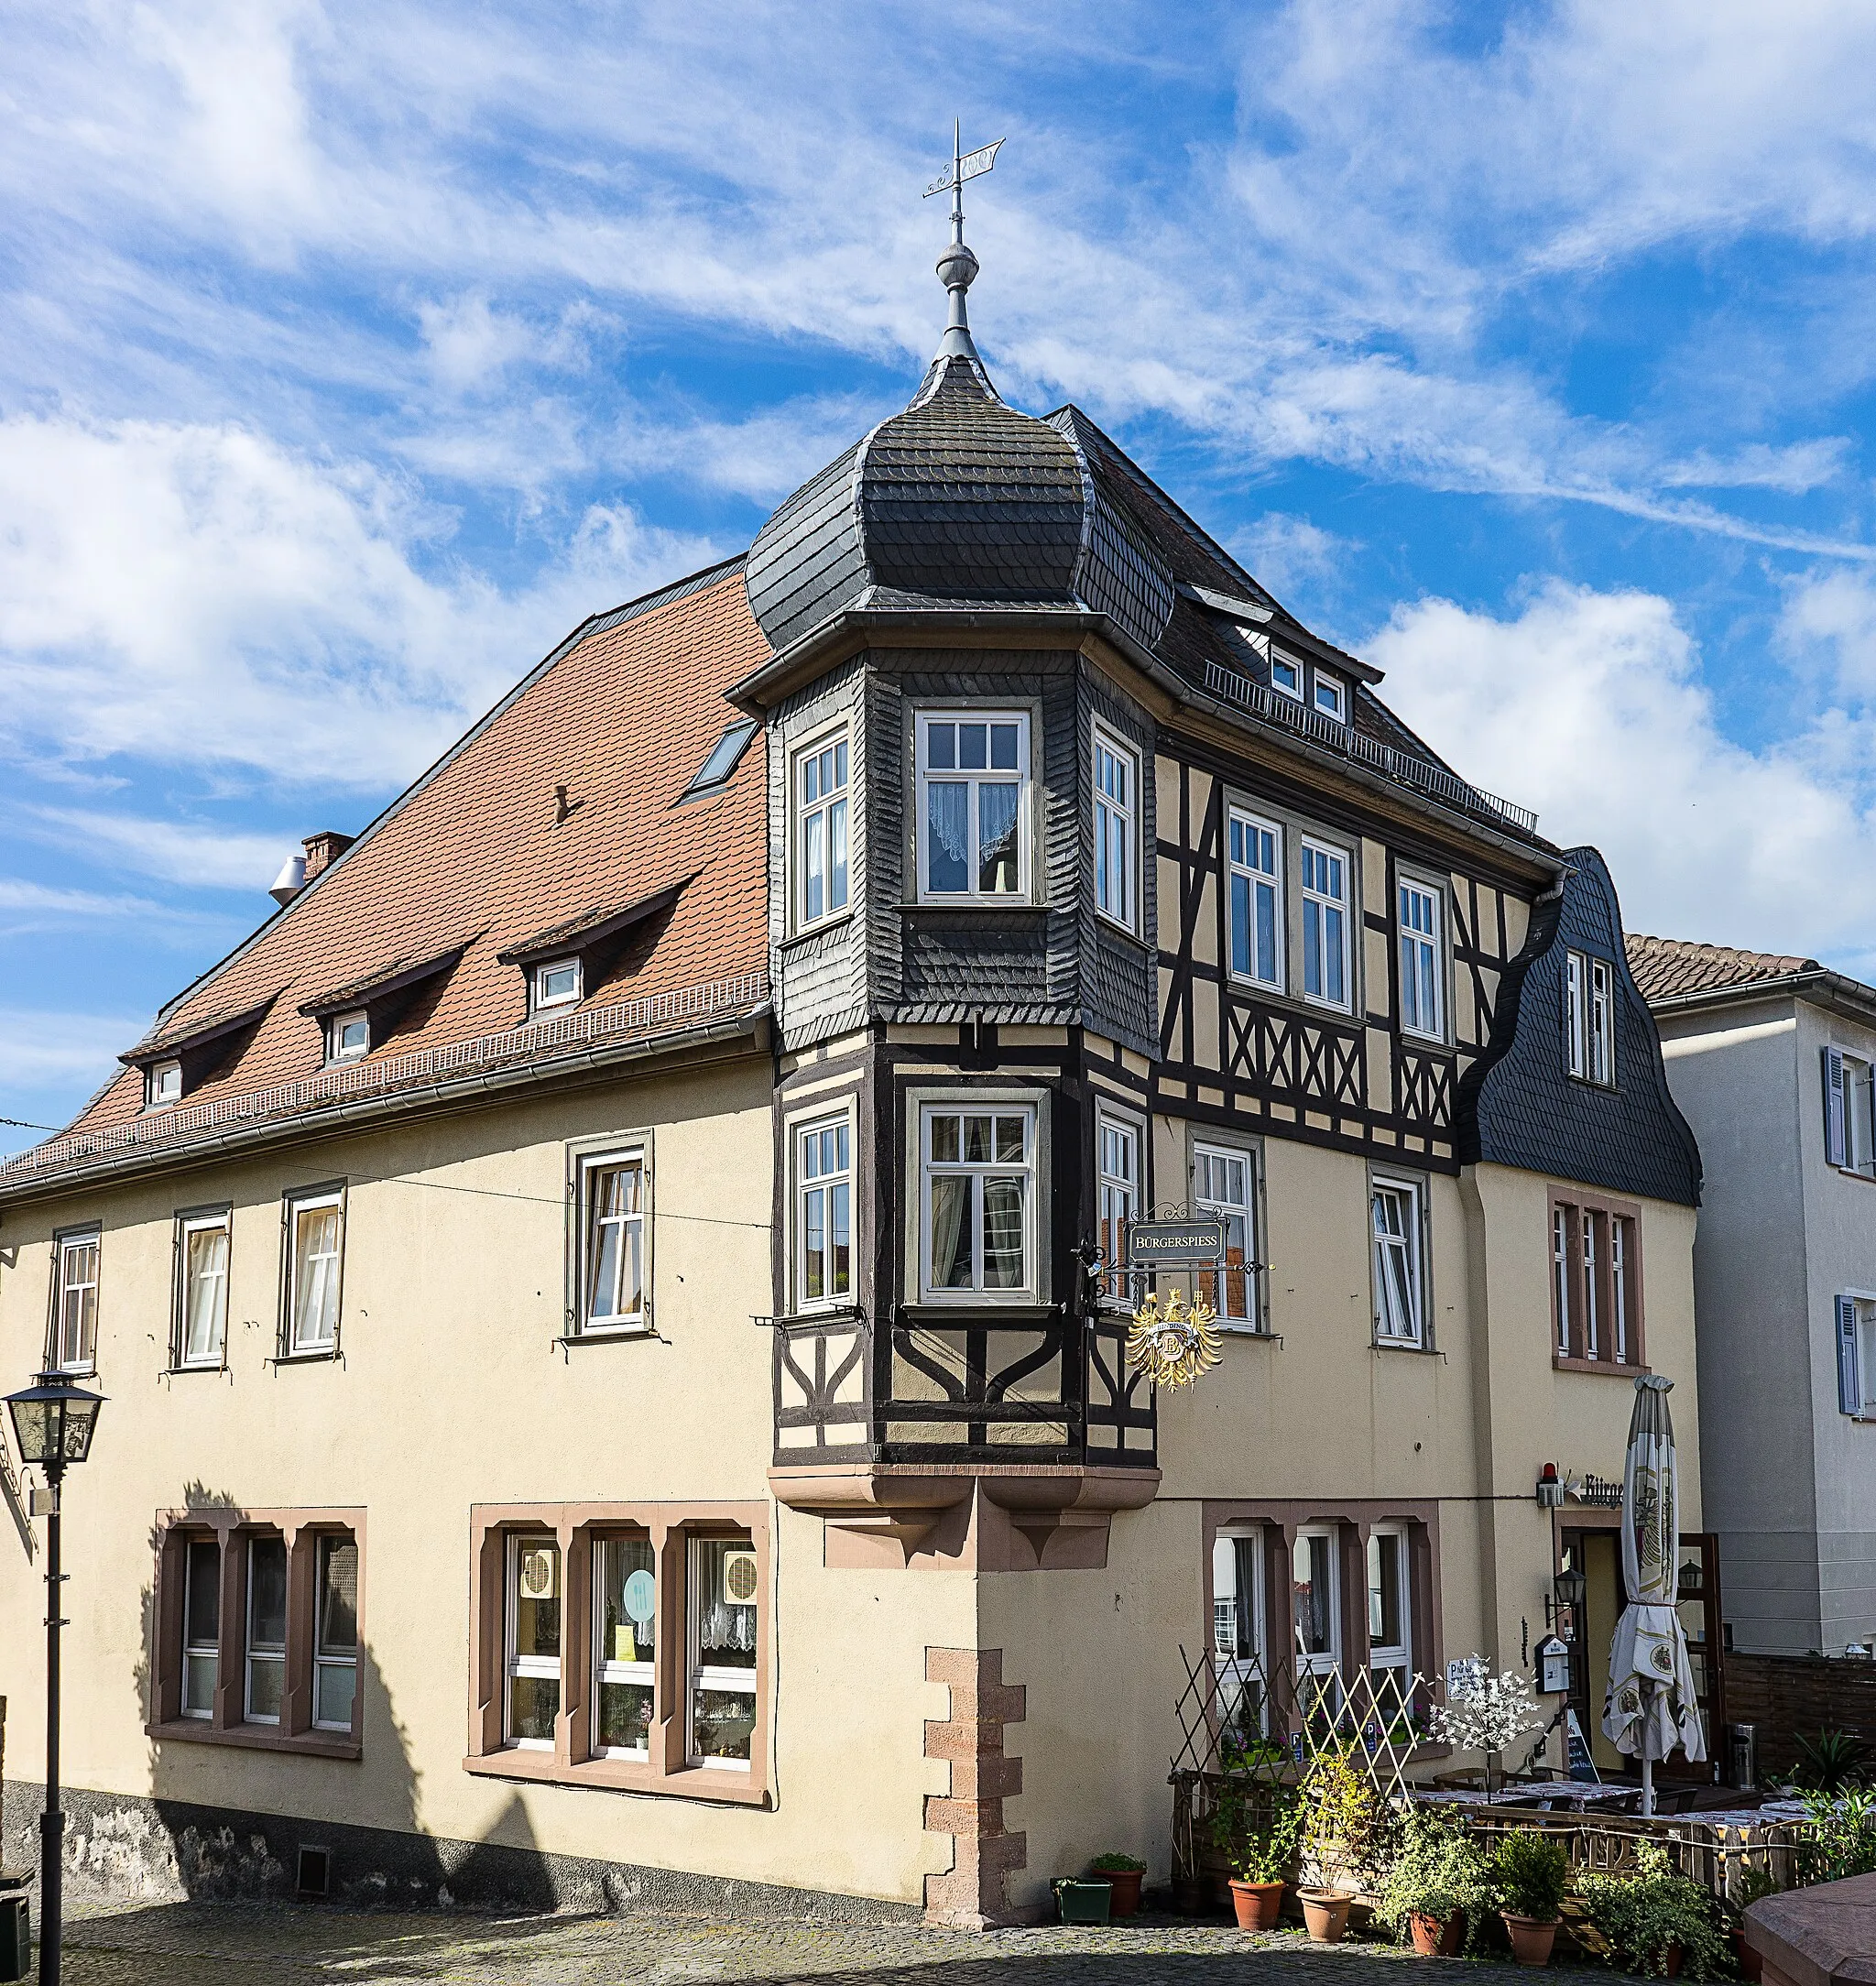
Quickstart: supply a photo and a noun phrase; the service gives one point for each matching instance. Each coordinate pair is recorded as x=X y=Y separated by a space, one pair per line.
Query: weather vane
x=958 y=266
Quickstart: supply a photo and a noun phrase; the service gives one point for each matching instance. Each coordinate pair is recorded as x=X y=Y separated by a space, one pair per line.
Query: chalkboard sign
x=1582 y=1760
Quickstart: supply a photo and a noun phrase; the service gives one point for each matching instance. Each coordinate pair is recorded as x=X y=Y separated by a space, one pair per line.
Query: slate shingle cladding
x=1518 y=1103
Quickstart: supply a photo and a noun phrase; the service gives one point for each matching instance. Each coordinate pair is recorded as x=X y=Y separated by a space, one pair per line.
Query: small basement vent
x=315 y=1877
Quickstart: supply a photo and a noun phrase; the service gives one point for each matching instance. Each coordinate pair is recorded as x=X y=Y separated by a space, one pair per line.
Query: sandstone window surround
x=1595 y=1283
x=684 y=1549
x=1321 y=1556
x=295 y=1688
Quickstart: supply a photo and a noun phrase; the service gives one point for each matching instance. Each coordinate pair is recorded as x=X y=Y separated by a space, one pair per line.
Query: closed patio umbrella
x=1649 y=1709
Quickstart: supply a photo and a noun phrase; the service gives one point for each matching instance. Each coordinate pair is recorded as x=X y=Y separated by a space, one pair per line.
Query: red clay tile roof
x=475 y=855
x=1666 y=968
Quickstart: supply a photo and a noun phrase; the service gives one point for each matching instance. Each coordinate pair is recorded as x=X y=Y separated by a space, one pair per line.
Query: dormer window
x=348 y=1036
x=1286 y=676
x=1332 y=697
x=1589 y=1018
x=557 y=984
x=164 y=1084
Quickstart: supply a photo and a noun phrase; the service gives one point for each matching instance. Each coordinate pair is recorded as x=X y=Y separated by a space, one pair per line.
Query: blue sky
x=350 y=355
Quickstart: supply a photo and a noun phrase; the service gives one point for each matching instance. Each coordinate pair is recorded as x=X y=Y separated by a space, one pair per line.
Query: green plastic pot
x=1083 y=1902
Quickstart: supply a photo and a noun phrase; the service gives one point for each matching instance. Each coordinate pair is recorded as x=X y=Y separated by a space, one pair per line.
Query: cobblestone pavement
x=229 y=1945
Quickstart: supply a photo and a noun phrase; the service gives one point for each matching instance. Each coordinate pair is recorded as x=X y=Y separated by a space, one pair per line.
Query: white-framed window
x=1849 y=1096
x=75 y=1303
x=532 y=1698
x=1325 y=924
x=557 y=983
x=977 y=1166
x=1316 y=1579
x=315 y=1259
x=335 y=1634
x=1254 y=873
x=1237 y=1635
x=823 y=1212
x=267 y=1630
x=724 y=1614
x=202 y=1626
x=163 y=1086
x=1389 y=1607
x=822 y=841
x=1224 y=1188
x=612 y=1230
x=1560 y=1275
x=1400 y=1297
x=1117 y=829
x=973 y=805
x=1588 y=1222
x=348 y=1036
x=1286 y=675
x=202 y=1261
x=1422 y=976
x=1331 y=697
x=624 y=1622
x=1589 y=1018
x=1117 y=1191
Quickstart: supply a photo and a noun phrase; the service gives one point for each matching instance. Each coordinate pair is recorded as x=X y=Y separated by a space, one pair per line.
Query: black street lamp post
x=53 y=1422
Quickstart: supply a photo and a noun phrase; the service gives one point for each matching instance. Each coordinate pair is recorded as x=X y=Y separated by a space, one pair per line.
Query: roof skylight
x=723 y=758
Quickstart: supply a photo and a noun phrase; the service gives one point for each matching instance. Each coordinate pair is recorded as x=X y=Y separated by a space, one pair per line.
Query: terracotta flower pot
x=1435 y=1939
x=1192 y=1896
x=1672 y=1961
x=1257 y=1905
x=1125 y=1883
x=1530 y=1939
x=1751 y=1966
x=1325 y=1912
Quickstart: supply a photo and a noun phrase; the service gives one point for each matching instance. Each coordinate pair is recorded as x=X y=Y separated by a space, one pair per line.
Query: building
x=614 y=1300
x=1769 y=1059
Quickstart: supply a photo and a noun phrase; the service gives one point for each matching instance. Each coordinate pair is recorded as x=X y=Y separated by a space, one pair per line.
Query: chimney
x=289 y=882
x=323 y=849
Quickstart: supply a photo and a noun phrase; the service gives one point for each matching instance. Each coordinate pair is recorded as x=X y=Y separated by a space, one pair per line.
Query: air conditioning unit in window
x=539 y=1575
x=740 y=1578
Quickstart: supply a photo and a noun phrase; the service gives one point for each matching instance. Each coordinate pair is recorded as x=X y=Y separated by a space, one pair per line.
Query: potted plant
x=1263 y=1864
x=1658 y=1922
x=1753 y=1883
x=1350 y=1833
x=1530 y=1874
x=1437 y=1890
x=1122 y=1874
x=1487 y=1713
x=1082 y=1902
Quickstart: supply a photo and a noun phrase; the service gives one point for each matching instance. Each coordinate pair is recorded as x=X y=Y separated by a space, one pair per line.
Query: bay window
x=1117 y=829
x=820 y=831
x=976 y=1167
x=1256 y=886
x=973 y=778
x=1326 y=924
x=823 y=1212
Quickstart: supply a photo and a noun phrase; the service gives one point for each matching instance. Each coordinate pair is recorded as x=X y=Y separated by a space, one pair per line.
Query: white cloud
x=1590 y=707
x=199 y=856
x=28 y=907
x=55 y=1054
x=1289 y=555
x=203 y=598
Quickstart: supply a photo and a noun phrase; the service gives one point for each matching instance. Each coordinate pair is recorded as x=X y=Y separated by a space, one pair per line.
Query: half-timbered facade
x=614 y=1301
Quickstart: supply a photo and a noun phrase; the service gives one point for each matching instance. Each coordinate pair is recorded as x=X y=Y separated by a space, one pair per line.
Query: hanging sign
x=1176 y=1243
x=1172 y=1346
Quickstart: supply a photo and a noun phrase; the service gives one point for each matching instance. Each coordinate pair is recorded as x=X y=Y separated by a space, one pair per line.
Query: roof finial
x=958 y=266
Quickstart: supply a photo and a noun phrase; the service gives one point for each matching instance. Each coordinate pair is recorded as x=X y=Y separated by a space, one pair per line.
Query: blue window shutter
x=1834 y=1107
x=1849 y=1387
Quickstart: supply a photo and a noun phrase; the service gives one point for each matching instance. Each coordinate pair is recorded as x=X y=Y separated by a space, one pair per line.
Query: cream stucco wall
x=451 y=1392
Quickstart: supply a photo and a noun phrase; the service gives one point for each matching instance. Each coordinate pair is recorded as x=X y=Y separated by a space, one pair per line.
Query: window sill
x=627 y=1335
x=1111 y=927
x=1417 y=1347
x=200 y=1365
x=841 y=1313
x=1024 y=1310
x=975 y=906
x=1414 y=1038
x=328 y=1356
x=1852 y=1171
x=1608 y=1367
x=314 y=1744
x=621 y=1775
x=807 y=933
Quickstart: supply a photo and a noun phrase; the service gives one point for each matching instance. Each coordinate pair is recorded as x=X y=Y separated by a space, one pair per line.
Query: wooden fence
x=1785 y=1697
